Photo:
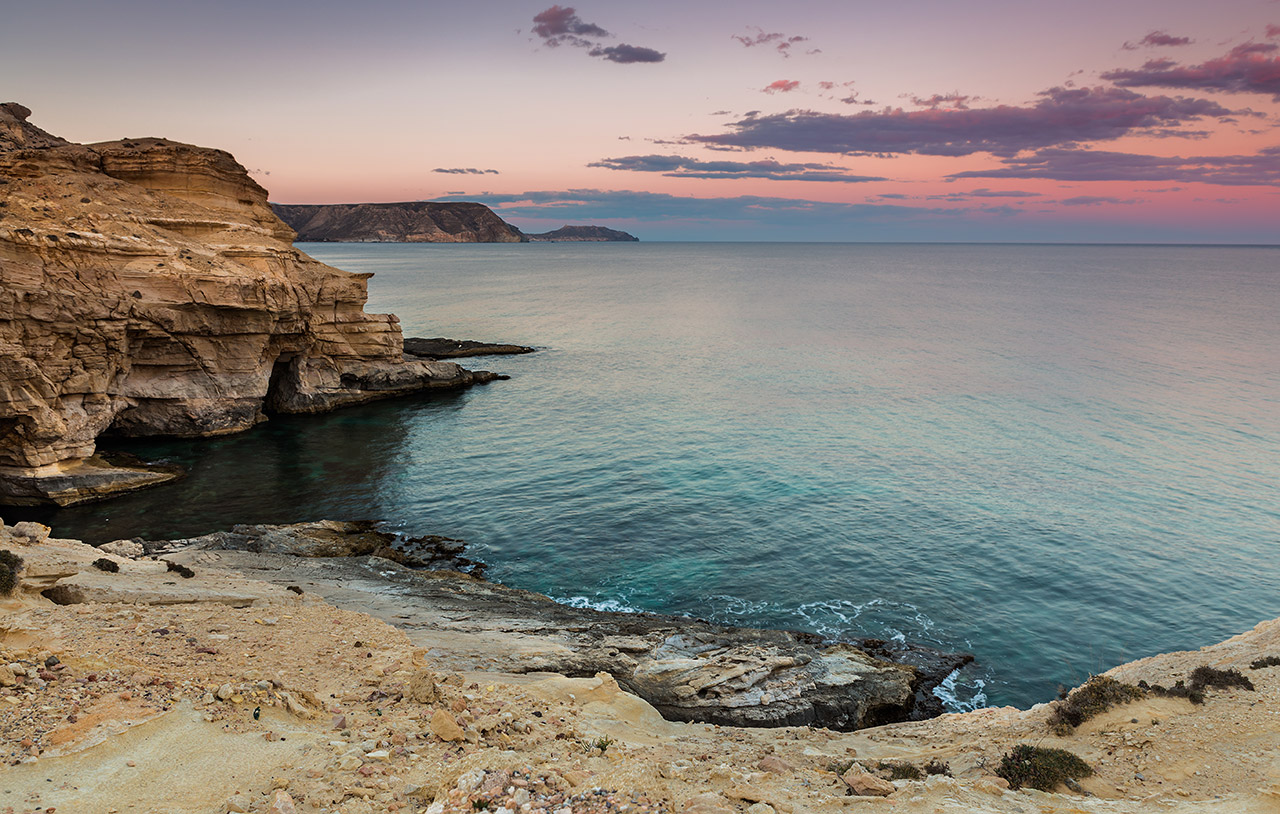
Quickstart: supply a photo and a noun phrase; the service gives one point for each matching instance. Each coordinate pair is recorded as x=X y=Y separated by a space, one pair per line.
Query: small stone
x=224 y=692
x=339 y=722
x=775 y=765
x=422 y=687
x=30 y=533
x=470 y=781
x=445 y=728
x=282 y=803
x=380 y=755
x=760 y=808
x=123 y=548
x=867 y=785
x=7 y=677
x=237 y=804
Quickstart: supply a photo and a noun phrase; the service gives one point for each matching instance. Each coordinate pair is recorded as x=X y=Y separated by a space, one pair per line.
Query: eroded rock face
x=146 y=288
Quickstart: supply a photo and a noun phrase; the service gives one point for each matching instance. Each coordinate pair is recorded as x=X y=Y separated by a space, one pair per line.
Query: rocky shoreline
x=688 y=669
x=243 y=652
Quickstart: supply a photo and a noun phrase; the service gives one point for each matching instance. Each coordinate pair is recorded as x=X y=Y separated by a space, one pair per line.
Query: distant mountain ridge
x=423 y=222
x=583 y=234
x=406 y=222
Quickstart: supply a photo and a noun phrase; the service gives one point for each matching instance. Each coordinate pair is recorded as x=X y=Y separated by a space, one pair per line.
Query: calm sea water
x=1061 y=458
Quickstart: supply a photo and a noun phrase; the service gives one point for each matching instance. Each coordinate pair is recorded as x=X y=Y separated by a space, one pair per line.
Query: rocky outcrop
x=407 y=222
x=583 y=234
x=690 y=670
x=146 y=288
x=441 y=348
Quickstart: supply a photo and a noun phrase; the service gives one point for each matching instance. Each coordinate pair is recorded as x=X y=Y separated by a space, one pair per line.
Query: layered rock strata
x=146 y=288
x=690 y=670
x=406 y=222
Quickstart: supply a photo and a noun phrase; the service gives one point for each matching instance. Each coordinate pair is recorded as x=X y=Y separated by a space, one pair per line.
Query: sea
x=1057 y=457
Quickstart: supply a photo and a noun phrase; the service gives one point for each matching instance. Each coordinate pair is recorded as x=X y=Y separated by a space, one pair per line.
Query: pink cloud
x=1247 y=68
x=781 y=86
x=1157 y=39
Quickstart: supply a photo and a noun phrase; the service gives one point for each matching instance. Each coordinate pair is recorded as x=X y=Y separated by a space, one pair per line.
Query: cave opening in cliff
x=282 y=384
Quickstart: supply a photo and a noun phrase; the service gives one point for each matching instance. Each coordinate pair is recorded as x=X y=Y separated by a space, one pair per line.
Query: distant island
x=583 y=234
x=422 y=222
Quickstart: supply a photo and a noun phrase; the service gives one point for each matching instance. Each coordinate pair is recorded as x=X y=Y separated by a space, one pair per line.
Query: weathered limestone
x=146 y=288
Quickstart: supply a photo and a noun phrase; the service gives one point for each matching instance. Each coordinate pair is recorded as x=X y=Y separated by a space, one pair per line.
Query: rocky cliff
x=408 y=222
x=583 y=234
x=146 y=288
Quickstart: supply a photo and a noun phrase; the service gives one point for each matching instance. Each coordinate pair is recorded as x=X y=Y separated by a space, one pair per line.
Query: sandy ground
x=290 y=704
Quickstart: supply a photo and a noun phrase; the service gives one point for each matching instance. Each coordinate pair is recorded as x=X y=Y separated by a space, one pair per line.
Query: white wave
x=587 y=603
x=961 y=693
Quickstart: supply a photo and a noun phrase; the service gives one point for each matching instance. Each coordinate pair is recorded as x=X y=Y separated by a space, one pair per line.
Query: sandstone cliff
x=408 y=222
x=146 y=288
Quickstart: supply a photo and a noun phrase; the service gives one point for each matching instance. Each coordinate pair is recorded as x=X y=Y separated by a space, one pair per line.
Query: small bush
x=10 y=565
x=936 y=766
x=899 y=770
x=1040 y=768
x=1269 y=661
x=104 y=564
x=1094 y=697
x=182 y=570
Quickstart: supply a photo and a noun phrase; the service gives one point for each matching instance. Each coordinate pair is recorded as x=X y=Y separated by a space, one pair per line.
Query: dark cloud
x=1262 y=169
x=1061 y=116
x=1246 y=68
x=674 y=166
x=780 y=42
x=781 y=86
x=464 y=171
x=654 y=206
x=627 y=54
x=1095 y=200
x=561 y=25
x=1157 y=39
x=952 y=101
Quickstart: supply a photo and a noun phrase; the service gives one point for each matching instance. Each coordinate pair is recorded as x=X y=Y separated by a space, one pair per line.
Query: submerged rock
x=148 y=289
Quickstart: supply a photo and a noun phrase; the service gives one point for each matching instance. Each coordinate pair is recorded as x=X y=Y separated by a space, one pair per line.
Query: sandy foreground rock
x=169 y=697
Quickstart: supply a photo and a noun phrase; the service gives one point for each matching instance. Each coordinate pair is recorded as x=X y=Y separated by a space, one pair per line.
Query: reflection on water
x=1059 y=457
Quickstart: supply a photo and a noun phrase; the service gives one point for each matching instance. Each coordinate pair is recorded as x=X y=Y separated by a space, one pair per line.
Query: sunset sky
x=929 y=120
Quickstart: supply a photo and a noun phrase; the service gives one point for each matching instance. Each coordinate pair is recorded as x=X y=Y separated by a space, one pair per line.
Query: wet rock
x=441 y=348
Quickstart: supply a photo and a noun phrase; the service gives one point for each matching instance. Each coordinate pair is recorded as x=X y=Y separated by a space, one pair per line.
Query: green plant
x=602 y=743
x=1202 y=678
x=1094 y=697
x=1040 y=768
x=10 y=565
x=1206 y=676
x=936 y=766
x=899 y=770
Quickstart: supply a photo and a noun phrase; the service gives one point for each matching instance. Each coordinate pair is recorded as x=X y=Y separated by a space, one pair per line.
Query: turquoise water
x=1060 y=458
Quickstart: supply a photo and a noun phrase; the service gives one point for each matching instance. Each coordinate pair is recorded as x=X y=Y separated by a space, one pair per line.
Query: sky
x=1123 y=121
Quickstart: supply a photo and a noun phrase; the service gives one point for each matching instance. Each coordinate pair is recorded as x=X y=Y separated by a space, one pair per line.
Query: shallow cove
x=1060 y=457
